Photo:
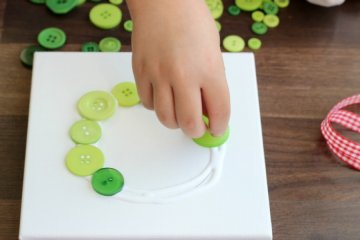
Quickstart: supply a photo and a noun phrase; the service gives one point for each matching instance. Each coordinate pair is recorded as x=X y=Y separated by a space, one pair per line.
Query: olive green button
x=254 y=43
x=248 y=5
x=80 y=2
x=282 y=3
x=208 y=141
x=85 y=132
x=234 y=10
x=257 y=16
x=90 y=47
x=27 y=54
x=61 y=6
x=259 y=28
x=128 y=25
x=218 y=25
x=271 y=8
x=271 y=20
x=38 y=1
x=216 y=8
x=126 y=94
x=105 y=16
x=110 y=44
x=107 y=181
x=84 y=160
x=52 y=38
x=97 y=105
x=233 y=43
x=116 y=2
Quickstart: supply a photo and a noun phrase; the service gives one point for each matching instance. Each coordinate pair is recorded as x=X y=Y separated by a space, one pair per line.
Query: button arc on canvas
x=126 y=94
x=97 y=105
x=107 y=181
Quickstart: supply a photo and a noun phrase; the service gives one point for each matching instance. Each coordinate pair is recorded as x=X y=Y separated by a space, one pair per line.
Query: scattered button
x=271 y=8
x=257 y=16
x=234 y=10
x=90 y=47
x=271 y=20
x=97 y=105
x=262 y=4
x=254 y=43
x=61 y=6
x=218 y=25
x=105 y=16
x=216 y=8
x=248 y=5
x=126 y=94
x=27 y=55
x=128 y=25
x=84 y=160
x=116 y=2
x=110 y=44
x=233 y=43
x=38 y=1
x=81 y=2
x=208 y=141
x=282 y=3
x=259 y=28
x=52 y=38
x=85 y=132
x=107 y=181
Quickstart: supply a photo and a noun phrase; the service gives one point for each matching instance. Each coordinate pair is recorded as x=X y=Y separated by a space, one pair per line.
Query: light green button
x=271 y=8
x=248 y=5
x=218 y=25
x=233 y=43
x=107 y=181
x=126 y=94
x=208 y=141
x=259 y=28
x=27 y=55
x=257 y=16
x=282 y=3
x=116 y=2
x=216 y=8
x=84 y=160
x=128 y=25
x=81 y=2
x=110 y=44
x=61 y=6
x=105 y=16
x=254 y=43
x=97 y=105
x=52 y=38
x=85 y=132
x=271 y=20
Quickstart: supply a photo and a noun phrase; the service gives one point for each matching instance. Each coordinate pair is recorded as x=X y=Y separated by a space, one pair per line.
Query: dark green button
x=61 y=6
x=271 y=8
x=234 y=10
x=259 y=28
x=90 y=47
x=52 y=38
x=107 y=181
x=27 y=54
x=38 y=1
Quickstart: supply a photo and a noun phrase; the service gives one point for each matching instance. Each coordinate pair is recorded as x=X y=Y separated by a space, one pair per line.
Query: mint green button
x=105 y=16
x=97 y=105
x=110 y=44
x=254 y=43
x=216 y=8
x=116 y=2
x=61 y=6
x=126 y=94
x=85 y=132
x=248 y=5
x=107 y=181
x=208 y=141
x=218 y=25
x=27 y=55
x=90 y=47
x=271 y=8
x=52 y=38
x=259 y=28
x=234 y=10
x=282 y=3
x=128 y=25
x=271 y=20
x=233 y=43
x=257 y=16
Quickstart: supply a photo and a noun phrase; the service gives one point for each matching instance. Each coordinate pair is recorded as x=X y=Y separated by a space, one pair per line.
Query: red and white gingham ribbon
x=345 y=149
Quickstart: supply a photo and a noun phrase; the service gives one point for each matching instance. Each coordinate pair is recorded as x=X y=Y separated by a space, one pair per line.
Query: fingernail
x=217 y=134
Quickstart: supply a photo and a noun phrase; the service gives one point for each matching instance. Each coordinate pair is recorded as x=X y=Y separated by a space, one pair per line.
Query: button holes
x=99 y=109
x=127 y=89
x=82 y=162
x=126 y=94
x=82 y=156
x=123 y=91
x=110 y=179
x=86 y=133
x=101 y=104
x=104 y=182
x=95 y=103
x=87 y=161
x=93 y=108
x=130 y=92
x=84 y=127
x=88 y=156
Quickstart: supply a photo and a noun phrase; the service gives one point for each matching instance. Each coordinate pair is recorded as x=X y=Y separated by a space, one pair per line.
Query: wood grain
x=305 y=66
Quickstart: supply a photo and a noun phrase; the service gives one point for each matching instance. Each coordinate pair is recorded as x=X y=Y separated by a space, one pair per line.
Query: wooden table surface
x=306 y=65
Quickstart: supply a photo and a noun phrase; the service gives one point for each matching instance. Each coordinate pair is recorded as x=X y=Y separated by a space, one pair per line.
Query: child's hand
x=178 y=65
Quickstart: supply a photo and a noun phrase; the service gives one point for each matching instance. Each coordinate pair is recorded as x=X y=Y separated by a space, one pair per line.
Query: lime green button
x=110 y=44
x=254 y=43
x=208 y=141
x=271 y=20
x=259 y=28
x=218 y=25
x=84 y=160
x=116 y=2
x=126 y=94
x=107 y=181
x=90 y=47
x=97 y=105
x=233 y=43
x=61 y=6
x=257 y=16
x=52 y=38
x=271 y=8
x=216 y=8
x=38 y=1
x=80 y=2
x=234 y=10
x=282 y=3
x=128 y=25
x=248 y=5
x=263 y=2
x=85 y=132
x=105 y=16
x=27 y=54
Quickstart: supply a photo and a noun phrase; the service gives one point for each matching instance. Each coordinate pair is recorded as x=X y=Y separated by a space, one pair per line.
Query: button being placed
x=233 y=43
x=107 y=181
x=61 y=6
x=97 y=105
x=90 y=47
x=84 y=160
x=126 y=94
x=52 y=38
x=27 y=55
x=110 y=44
x=208 y=141
x=105 y=16
x=85 y=132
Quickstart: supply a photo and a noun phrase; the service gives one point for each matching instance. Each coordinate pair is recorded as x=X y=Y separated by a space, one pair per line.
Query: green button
x=262 y=4
x=216 y=8
x=282 y=3
x=257 y=16
x=234 y=10
x=116 y=2
x=126 y=94
x=85 y=132
x=95 y=0
x=84 y=160
x=208 y=141
x=110 y=44
x=128 y=25
x=61 y=6
x=259 y=28
x=52 y=38
x=81 y=2
x=27 y=54
x=90 y=47
x=254 y=43
x=248 y=5
x=271 y=20
x=233 y=43
x=105 y=16
x=271 y=8
x=97 y=105
x=107 y=181
x=218 y=25
x=38 y=1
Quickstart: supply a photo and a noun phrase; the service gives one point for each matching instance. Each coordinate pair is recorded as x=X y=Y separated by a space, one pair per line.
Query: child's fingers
x=145 y=91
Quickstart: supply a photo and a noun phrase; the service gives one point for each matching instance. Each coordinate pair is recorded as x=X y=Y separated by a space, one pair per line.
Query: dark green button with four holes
x=52 y=38
x=107 y=181
x=90 y=47
x=27 y=54
x=259 y=28
x=61 y=6
x=271 y=8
